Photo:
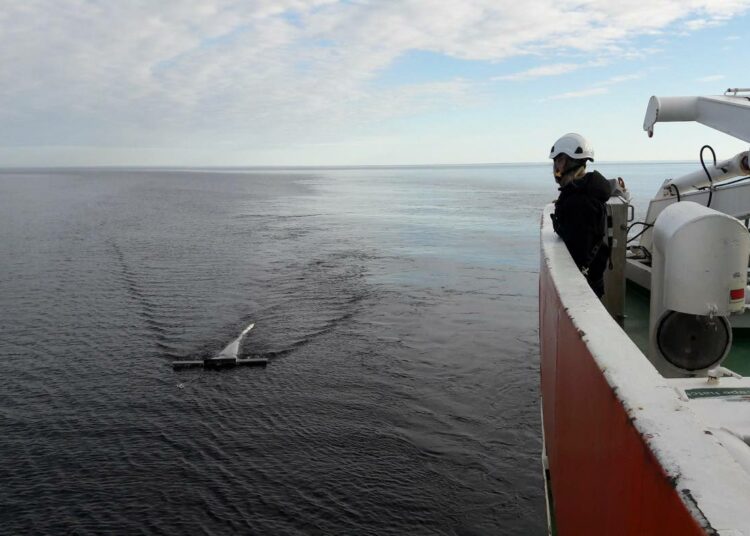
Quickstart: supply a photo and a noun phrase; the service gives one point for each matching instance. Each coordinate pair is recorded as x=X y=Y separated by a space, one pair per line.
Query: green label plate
x=717 y=392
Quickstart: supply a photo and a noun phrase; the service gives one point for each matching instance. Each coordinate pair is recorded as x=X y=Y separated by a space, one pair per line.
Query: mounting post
x=614 y=278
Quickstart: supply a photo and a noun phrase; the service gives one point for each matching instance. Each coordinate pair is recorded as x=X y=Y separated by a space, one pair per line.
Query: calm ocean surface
x=397 y=306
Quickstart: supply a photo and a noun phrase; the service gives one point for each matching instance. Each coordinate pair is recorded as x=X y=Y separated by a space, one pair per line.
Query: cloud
x=619 y=79
x=579 y=94
x=600 y=88
x=272 y=72
x=712 y=78
x=544 y=70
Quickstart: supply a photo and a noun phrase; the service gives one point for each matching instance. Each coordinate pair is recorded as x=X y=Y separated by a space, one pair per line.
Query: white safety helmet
x=574 y=145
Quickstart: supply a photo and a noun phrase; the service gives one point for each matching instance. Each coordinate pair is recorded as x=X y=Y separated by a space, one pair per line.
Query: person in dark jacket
x=580 y=210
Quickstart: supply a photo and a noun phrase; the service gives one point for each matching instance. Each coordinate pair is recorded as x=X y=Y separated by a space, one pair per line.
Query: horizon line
x=322 y=166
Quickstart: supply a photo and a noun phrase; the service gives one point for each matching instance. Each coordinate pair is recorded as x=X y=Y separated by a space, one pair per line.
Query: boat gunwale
x=702 y=471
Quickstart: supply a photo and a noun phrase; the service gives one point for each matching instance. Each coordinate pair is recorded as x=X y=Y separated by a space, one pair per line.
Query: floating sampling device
x=227 y=358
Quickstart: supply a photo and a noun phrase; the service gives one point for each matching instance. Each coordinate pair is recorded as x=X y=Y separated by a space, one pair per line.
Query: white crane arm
x=728 y=113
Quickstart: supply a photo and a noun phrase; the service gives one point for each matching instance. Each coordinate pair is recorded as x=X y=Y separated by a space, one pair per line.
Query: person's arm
x=619 y=189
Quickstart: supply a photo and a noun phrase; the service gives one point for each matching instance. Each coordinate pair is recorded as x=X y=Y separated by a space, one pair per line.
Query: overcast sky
x=326 y=82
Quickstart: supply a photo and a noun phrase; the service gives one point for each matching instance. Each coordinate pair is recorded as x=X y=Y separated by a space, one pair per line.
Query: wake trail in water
x=233 y=348
x=148 y=313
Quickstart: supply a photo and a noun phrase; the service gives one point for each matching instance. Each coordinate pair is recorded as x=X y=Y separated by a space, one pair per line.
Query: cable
x=639 y=234
x=710 y=179
x=720 y=186
x=677 y=190
x=609 y=240
x=639 y=223
x=646 y=227
x=646 y=253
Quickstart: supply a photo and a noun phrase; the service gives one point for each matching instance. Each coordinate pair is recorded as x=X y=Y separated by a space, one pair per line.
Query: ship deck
x=629 y=451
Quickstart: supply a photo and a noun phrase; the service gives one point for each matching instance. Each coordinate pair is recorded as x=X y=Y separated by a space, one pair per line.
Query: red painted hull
x=604 y=478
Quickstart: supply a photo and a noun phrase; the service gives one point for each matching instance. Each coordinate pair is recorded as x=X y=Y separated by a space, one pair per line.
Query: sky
x=357 y=82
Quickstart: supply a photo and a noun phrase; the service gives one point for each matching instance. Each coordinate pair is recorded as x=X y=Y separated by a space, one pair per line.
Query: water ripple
x=401 y=392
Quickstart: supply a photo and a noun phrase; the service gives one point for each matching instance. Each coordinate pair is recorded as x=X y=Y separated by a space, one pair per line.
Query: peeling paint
x=693 y=504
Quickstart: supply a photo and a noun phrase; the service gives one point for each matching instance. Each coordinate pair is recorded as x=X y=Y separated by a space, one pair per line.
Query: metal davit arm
x=729 y=113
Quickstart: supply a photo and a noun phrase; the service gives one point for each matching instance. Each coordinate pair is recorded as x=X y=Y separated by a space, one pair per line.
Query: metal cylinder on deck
x=699 y=272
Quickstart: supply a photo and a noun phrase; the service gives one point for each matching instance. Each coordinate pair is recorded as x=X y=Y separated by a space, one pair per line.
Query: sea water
x=397 y=307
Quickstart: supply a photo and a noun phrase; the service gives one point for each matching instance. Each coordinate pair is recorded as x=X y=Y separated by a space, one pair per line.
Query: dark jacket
x=580 y=220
